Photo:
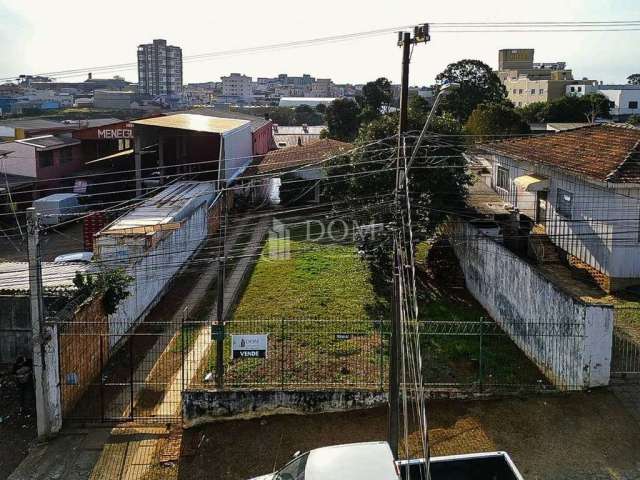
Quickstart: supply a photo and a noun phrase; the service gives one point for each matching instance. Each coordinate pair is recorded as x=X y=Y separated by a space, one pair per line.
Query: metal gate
x=135 y=376
x=625 y=356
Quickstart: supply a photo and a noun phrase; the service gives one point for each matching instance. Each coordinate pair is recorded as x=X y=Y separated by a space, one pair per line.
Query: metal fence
x=143 y=378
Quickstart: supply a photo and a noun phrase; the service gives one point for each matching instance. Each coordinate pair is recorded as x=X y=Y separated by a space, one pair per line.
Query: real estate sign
x=249 y=346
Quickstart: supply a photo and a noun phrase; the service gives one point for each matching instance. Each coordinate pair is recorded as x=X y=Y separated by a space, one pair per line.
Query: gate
x=132 y=377
x=625 y=356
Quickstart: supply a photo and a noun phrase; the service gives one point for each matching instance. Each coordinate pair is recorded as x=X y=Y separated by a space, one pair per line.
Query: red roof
x=310 y=153
x=604 y=152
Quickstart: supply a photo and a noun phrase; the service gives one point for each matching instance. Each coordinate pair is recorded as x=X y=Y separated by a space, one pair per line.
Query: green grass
x=303 y=302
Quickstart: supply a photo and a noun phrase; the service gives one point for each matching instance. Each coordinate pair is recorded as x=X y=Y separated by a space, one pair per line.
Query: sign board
x=115 y=133
x=249 y=346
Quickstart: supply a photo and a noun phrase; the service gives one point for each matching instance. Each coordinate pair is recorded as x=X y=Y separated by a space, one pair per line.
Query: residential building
x=237 y=86
x=159 y=68
x=322 y=87
x=20 y=128
x=582 y=187
x=305 y=80
x=527 y=82
x=113 y=99
x=625 y=99
x=49 y=159
x=581 y=88
x=290 y=136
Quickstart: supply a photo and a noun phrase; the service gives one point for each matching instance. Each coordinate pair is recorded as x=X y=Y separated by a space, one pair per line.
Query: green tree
x=282 y=115
x=494 y=119
x=477 y=84
x=578 y=109
x=634 y=79
x=365 y=178
x=376 y=95
x=596 y=105
x=533 y=112
x=306 y=114
x=343 y=119
x=321 y=108
x=419 y=106
x=112 y=284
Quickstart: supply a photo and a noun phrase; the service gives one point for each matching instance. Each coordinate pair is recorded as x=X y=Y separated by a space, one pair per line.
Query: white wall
x=238 y=151
x=151 y=268
x=22 y=160
x=569 y=340
x=621 y=98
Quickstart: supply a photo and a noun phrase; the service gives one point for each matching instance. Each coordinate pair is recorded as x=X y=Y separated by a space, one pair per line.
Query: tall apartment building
x=159 y=68
x=238 y=86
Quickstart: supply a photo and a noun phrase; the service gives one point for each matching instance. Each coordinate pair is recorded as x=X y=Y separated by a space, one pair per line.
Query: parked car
x=374 y=461
x=354 y=461
x=57 y=208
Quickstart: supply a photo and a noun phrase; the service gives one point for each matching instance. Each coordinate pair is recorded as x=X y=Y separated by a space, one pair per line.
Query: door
x=541 y=207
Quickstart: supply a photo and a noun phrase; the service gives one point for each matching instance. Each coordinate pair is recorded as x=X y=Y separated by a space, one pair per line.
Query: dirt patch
x=17 y=429
x=549 y=437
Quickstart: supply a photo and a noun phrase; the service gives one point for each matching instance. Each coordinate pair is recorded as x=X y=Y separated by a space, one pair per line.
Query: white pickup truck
x=374 y=461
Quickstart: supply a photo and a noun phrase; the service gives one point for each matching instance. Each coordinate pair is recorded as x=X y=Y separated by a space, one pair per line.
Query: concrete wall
x=569 y=340
x=202 y=406
x=152 y=267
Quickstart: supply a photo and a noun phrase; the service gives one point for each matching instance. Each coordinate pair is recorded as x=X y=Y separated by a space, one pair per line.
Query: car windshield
x=294 y=470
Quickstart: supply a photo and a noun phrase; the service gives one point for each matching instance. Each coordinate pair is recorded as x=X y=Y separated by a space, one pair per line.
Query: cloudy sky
x=39 y=36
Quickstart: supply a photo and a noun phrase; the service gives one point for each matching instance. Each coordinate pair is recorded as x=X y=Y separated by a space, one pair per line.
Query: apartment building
x=237 y=86
x=159 y=68
x=625 y=99
x=527 y=82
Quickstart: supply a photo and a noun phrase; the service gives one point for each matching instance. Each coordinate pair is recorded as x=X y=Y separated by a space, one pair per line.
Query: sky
x=39 y=36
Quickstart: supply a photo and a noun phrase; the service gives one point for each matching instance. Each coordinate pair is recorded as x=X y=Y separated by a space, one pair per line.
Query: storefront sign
x=115 y=133
x=249 y=346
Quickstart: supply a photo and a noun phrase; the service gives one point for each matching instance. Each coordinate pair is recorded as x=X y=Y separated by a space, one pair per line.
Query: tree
x=494 y=119
x=596 y=105
x=533 y=112
x=477 y=84
x=634 y=79
x=365 y=179
x=419 y=105
x=321 y=108
x=306 y=114
x=375 y=96
x=343 y=119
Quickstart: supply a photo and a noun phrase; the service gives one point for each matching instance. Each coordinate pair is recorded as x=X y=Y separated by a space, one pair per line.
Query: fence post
x=101 y=378
x=282 y=353
x=131 y=337
x=480 y=366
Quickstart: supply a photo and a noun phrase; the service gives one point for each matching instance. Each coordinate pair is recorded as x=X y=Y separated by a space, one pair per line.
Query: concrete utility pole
x=44 y=341
x=421 y=34
x=221 y=283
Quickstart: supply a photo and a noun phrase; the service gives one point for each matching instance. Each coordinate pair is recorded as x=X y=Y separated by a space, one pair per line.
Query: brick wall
x=84 y=348
x=603 y=281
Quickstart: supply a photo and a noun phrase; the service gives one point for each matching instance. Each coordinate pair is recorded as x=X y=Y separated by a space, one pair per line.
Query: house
x=581 y=187
x=625 y=99
x=17 y=129
x=290 y=136
x=291 y=173
x=49 y=160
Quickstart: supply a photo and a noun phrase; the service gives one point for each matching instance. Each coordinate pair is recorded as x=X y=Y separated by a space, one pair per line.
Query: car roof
x=355 y=461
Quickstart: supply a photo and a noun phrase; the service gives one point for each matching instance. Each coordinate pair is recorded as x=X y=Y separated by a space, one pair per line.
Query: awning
x=123 y=153
x=532 y=183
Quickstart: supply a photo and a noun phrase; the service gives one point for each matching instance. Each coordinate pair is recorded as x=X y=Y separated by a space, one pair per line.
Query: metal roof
x=32 y=123
x=194 y=123
x=49 y=142
x=256 y=122
x=14 y=276
x=171 y=205
x=619 y=87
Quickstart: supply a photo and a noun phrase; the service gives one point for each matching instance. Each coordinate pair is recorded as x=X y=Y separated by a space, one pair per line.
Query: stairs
x=543 y=250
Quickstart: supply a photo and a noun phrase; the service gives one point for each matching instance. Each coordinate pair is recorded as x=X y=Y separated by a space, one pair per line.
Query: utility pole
x=45 y=368
x=222 y=260
x=405 y=41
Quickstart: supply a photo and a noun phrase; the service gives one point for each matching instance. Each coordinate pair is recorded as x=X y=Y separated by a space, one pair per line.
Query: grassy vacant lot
x=322 y=316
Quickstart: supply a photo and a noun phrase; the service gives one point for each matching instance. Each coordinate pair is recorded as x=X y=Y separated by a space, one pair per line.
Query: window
x=541 y=91
x=294 y=470
x=502 y=178
x=533 y=91
x=573 y=89
x=515 y=91
x=45 y=159
x=520 y=91
x=633 y=105
x=579 y=89
x=564 y=203
x=66 y=155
